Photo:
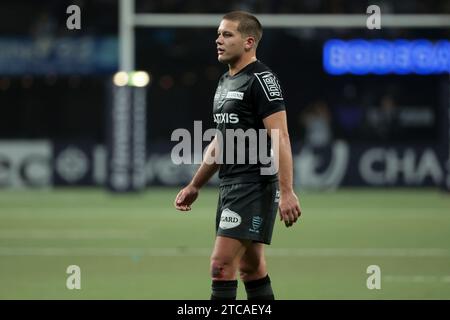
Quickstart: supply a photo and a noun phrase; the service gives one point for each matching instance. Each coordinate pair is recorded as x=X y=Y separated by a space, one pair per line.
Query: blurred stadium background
x=369 y=124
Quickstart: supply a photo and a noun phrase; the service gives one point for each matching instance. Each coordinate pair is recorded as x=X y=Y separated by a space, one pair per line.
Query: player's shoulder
x=262 y=70
x=266 y=82
x=260 y=66
x=263 y=75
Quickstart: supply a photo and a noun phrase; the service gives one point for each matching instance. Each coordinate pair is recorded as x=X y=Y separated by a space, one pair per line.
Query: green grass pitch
x=139 y=247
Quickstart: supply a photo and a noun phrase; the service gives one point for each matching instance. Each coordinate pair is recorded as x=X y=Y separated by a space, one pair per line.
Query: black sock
x=224 y=289
x=260 y=289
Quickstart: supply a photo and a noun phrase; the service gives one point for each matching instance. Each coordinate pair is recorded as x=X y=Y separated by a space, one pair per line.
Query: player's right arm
x=208 y=167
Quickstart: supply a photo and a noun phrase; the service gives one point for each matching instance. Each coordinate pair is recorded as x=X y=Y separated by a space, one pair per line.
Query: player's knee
x=221 y=268
x=248 y=272
x=217 y=271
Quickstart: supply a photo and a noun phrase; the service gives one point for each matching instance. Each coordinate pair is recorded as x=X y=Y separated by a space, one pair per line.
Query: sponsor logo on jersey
x=220 y=96
x=235 y=95
x=229 y=219
x=270 y=85
x=226 y=118
x=220 y=93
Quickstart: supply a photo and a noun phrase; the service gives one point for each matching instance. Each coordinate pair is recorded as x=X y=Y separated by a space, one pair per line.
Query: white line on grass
x=71 y=234
x=416 y=278
x=184 y=251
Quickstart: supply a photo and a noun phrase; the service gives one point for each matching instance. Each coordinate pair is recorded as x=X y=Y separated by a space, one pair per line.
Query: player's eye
x=225 y=34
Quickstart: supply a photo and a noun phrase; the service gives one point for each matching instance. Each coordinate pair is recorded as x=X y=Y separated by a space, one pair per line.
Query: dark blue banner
x=41 y=56
x=344 y=164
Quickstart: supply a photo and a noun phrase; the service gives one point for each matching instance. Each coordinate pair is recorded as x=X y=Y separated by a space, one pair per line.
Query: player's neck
x=240 y=64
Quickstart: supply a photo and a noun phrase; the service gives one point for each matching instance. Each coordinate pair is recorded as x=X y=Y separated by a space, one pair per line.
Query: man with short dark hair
x=248 y=97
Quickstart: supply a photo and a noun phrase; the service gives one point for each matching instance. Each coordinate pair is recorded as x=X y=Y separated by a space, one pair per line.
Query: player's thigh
x=228 y=250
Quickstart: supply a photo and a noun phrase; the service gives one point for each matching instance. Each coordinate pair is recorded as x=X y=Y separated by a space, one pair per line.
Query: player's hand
x=185 y=198
x=289 y=207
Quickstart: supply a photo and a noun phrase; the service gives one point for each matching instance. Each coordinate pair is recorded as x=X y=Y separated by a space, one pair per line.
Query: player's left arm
x=289 y=204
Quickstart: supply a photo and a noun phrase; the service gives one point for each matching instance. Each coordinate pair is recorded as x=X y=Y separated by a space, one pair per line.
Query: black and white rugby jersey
x=242 y=102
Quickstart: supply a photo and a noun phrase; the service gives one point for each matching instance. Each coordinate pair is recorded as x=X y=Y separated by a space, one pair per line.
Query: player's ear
x=250 y=43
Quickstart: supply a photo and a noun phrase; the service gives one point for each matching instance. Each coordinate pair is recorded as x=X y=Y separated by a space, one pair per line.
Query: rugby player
x=248 y=96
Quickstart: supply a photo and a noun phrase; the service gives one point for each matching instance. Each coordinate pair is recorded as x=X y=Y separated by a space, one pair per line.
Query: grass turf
x=139 y=247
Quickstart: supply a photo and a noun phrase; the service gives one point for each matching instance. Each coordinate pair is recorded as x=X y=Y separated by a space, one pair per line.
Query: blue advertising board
x=65 y=55
x=379 y=57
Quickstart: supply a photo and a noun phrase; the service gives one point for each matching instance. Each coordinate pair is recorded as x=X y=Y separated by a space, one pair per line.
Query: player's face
x=230 y=43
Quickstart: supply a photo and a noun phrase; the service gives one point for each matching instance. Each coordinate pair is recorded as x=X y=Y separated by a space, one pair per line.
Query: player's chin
x=223 y=59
